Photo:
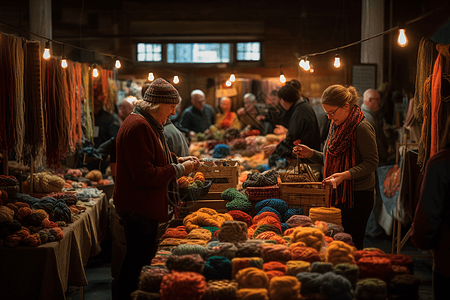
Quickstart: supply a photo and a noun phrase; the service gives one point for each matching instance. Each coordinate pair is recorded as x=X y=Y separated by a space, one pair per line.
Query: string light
x=117 y=65
x=176 y=79
x=151 y=77
x=228 y=83
x=232 y=78
x=402 y=40
x=94 y=66
x=282 y=78
x=337 y=61
x=63 y=60
x=47 y=54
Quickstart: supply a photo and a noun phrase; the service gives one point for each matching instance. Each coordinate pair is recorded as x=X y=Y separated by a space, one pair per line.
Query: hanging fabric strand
x=17 y=60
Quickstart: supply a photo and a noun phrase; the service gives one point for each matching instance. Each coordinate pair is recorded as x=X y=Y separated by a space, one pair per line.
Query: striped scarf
x=340 y=155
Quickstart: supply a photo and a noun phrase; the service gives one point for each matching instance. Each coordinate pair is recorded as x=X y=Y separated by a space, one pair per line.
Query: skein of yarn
x=252 y=278
x=150 y=278
x=284 y=288
x=252 y=294
x=220 y=290
x=240 y=263
x=182 y=285
x=217 y=267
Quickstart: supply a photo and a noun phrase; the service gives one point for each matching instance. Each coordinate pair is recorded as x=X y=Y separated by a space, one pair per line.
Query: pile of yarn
x=326 y=214
x=339 y=252
x=182 y=285
x=205 y=217
x=233 y=231
x=238 y=201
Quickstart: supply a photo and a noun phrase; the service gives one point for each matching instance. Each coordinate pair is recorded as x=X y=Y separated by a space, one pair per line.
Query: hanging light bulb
x=337 y=61
x=302 y=63
x=151 y=77
x=307 y=66
x=63 y=60
x=117 y=64
x=228 y=83
x=232 y=78
x=46 y=54
x=176 y=79
x=94 y=70
x=282 y=78
x=402 y=40
x=311 y=70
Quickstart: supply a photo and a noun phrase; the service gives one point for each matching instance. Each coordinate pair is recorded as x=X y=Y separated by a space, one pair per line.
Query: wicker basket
x=258 y=193
x=194 y=194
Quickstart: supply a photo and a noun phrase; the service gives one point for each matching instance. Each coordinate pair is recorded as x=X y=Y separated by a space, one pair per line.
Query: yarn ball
x=305 y=253
x=189 y=262
x=284 y=288
x=270 y=235
x=339 y=252
x=230 y=194
x=233 y=231
x=312 y=237
x=276 y=252
x=239 y=215
x=321 y=267
x=150 y=278
x=371 y=289
x=221 y=151
x=240 y=263
x=177 y=232
x=299 y=220
x=334 y=286
x=374 y=267
x=404 y=285
x=278 y=204
x=252 y=278
x=220 y=290
x=205 y=217
x=310 y=282
x=368 y=252
x=240 y=203
x=326 y=214
x=199 y=233
x=264 y=214
x=6 y=214
x=217 y=267
x=249 y=248
x=270 y=220
x=252 y=294
x=292 y=211
x=344 y=237
x=297 y=266
x=332 y=229
x=217 y=248
x=401 y=260
x=284 y=227
x=269 y=209
x=349 y=271
x=266 y=227
x=184 y=249
x=182 y=285
x=274 y=266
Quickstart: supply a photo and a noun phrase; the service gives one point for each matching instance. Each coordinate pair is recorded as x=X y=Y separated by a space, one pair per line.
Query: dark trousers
x=354 y=220
x=140 y=234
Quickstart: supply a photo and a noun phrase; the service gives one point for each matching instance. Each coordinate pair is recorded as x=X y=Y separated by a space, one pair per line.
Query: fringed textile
x=88 y=106
x=17 y=60
x=425 y=58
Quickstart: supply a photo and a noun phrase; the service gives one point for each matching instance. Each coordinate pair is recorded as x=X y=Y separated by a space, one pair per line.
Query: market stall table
x=46 y=271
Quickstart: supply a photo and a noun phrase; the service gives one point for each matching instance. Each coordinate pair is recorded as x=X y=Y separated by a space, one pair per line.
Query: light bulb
x=337 y=61
x=307 y=67
x=232 y=78
x=64 y=62
x=46 y=54
x=228 y=83
x=282 y=78
x=311 y=70
x=117 y=64
x=176 y=79
x=302 y=63
x=151 y=77
x=402 y=39
x=95 y=71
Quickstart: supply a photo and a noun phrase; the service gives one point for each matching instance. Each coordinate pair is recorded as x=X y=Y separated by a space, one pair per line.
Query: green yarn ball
x=198 y=183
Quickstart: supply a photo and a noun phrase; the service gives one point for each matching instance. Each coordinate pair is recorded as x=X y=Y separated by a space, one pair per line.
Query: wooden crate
x=301 y=194
x=223 y=177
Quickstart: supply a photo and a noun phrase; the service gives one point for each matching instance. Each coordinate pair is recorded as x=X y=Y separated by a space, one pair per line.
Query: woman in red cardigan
x=146 y=179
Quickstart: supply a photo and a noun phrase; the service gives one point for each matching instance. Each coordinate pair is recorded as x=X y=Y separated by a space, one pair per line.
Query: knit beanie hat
x=160 y=91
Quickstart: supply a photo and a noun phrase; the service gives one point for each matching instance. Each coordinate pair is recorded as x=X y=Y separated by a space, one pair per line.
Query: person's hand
x=269 y=149
x=189 y=167
x=194 y=159
x=336 y=179
x=302 y=151
x=280 y=130
x=240 y=111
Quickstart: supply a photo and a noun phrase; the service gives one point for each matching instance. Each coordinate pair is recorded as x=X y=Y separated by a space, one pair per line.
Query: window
x=198 y=53
x=248 y=51
x=149 y=52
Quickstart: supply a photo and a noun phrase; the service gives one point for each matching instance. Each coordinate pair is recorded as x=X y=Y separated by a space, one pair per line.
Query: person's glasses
x=332 y=113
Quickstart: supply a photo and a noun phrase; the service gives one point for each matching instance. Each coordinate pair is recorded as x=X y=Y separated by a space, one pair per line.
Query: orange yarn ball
x=252 y=278
x=275 y=266
x=305 y=253
x=262 y=215
x=182 y=285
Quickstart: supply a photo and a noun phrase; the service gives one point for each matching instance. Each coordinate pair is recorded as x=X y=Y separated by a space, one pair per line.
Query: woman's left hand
x=336 y=179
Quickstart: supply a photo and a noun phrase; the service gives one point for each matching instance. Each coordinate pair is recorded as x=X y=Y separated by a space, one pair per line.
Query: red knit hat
x=160 y=91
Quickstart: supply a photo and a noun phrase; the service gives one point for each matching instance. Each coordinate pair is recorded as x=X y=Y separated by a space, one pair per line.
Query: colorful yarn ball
x=343 y=237
x=252 y=294
x=305 y=253
x=326 y=214
x=184 y=249
x=374 y=267
x=240 y=263
x=249 y=248
x=293 y=211
x=217 y=248
x=368 y=252
x=321 y=267
x=272 y=210
x=217 y=267
x=349 y=271
x=332 y=229
x=233 y=232
x=339 y=252
x=278 y=204
x=277 y=252
x=240 y=203
x=297 y=266
x=274 y=266
x=284 y=288
x=205 y=217
x=299 y=220
x=270 y=220
x=230 y=193
x=220 y=290
x=182 y=285
x=251 y=231
x=266 y=227
x=199 y=233
x=264 y=214
x=239 y=215
x=151 y=277
x=252 y=278
x=312 y=237
x=189 y=262
x=177 y=232
x=371 y=289
x=270 y=235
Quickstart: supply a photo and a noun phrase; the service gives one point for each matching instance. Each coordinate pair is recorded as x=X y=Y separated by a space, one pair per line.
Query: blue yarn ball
x=268 y=208
x=217 y=267
x=221 y=151
x=293 y=211
x=277 y=204
x=284 y=227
